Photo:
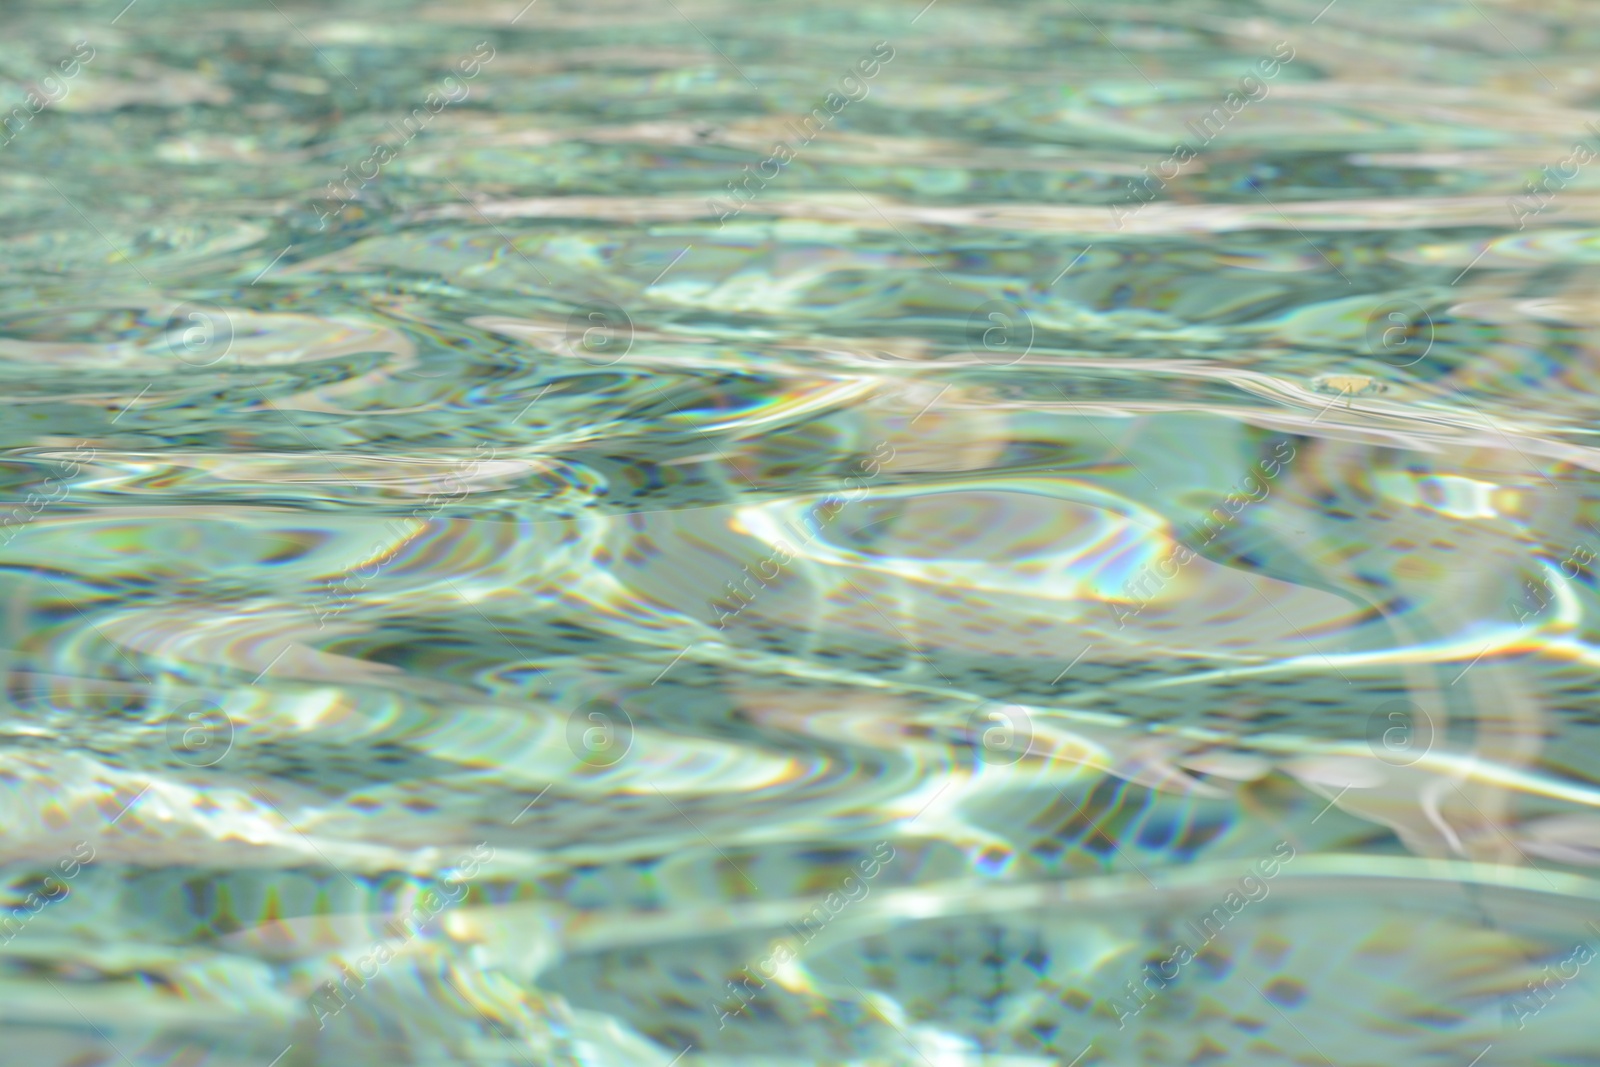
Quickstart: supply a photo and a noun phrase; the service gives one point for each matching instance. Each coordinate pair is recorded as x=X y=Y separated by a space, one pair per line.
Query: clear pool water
x=677 y=532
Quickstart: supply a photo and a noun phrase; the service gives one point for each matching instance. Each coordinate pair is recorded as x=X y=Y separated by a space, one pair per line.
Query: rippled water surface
x=649 y=532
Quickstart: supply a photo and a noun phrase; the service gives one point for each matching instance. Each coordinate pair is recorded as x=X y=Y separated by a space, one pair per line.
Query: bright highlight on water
x=684 y=534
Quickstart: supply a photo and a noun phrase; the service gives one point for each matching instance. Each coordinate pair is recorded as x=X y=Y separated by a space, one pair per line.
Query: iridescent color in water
x=628 y=533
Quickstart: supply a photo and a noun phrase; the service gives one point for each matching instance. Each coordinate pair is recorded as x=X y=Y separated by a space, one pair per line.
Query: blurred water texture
x=634 y=533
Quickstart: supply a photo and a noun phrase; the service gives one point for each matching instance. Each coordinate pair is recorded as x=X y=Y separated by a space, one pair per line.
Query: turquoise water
x=623 y=533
